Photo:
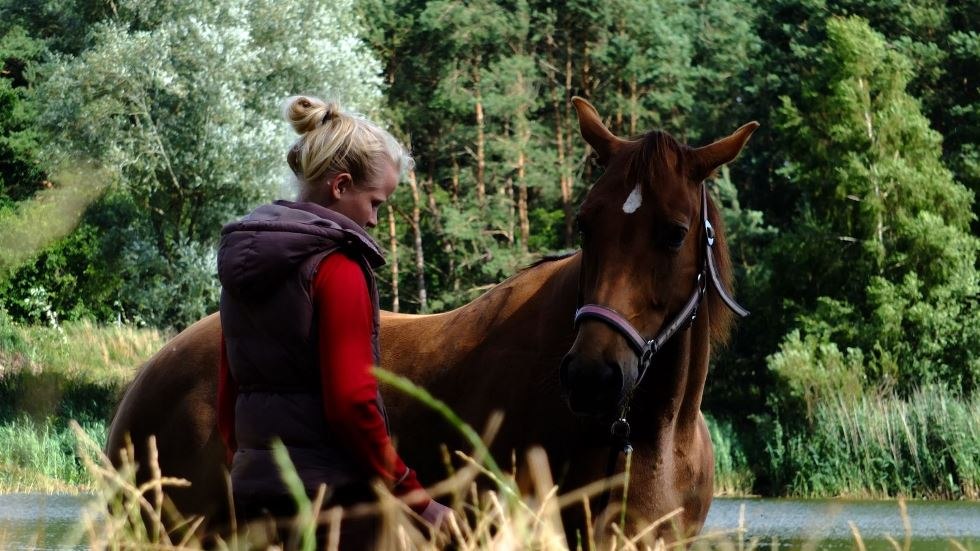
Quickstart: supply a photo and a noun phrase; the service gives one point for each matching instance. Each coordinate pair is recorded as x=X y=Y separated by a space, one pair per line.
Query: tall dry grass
x=130 y=515
x=82 y=352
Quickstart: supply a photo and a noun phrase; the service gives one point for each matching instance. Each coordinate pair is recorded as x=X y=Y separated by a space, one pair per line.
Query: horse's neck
x=532 y=311
x=500 y=352
x=670 y=396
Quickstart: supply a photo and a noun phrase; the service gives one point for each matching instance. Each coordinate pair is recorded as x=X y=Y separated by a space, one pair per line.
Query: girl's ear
x=338 y=185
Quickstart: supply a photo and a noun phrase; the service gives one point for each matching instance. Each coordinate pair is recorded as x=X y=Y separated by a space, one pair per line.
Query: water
x=39 y=521
x=46 y=521
x=792 y=523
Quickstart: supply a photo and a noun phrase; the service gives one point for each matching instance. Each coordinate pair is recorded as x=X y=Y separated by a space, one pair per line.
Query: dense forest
x=130 y=131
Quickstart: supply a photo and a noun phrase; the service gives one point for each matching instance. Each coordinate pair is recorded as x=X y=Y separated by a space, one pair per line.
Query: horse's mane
x=548 y=258
x=650 y=158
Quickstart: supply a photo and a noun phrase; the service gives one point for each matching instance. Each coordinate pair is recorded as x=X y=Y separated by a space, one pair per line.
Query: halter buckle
x=646 y=358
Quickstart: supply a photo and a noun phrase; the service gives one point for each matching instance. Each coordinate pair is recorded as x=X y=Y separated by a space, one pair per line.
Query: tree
x=882 y=255
x=21 y=173
x=179 y=103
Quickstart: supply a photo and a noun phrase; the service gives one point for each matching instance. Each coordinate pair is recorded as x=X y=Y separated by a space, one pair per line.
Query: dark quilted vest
x=266 y=263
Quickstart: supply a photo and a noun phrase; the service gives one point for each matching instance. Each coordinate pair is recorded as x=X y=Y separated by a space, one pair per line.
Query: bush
x=112 y=270
x=814 y=371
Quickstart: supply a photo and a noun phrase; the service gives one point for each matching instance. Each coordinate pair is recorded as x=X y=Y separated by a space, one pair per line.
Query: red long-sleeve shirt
x=345 y=316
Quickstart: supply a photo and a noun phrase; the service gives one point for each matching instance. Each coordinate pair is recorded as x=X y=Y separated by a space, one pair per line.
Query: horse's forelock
x=650 y=158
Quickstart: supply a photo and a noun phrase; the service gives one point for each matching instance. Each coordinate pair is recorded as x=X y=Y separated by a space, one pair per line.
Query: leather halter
x=647 y=349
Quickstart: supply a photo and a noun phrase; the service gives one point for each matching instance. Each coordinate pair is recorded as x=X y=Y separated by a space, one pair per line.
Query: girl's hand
x=436 y=514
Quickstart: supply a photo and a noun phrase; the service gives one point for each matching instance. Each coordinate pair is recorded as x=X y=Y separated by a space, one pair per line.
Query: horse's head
x=644 y=259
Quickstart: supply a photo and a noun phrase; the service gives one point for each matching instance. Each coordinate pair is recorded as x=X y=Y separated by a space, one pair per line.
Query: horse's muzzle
x=591 y=387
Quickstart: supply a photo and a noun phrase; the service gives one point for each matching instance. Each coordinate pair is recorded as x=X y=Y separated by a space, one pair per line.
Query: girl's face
x=360 y=202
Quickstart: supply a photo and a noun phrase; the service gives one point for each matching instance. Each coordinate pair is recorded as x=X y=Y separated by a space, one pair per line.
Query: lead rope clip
x=620 y=431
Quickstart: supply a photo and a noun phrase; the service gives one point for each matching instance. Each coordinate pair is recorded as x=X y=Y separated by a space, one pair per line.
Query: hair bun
x=307 y=113
x=331 y=111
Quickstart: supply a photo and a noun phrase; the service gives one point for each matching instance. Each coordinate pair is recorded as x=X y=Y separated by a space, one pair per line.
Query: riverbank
x=50 y=375
x=926 y=446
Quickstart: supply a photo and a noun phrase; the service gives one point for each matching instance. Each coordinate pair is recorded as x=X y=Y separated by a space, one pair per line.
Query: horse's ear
x=604 y=142
x=710 y=157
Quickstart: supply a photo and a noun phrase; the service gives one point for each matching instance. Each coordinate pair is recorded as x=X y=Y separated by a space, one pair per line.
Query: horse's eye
x=674 y=237
x=580 y=226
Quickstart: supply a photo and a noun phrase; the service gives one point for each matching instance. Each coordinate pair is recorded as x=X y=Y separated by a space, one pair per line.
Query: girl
x=299 y=315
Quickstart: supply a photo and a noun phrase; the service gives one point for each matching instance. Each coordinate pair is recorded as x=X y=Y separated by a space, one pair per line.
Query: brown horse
x=560 y=347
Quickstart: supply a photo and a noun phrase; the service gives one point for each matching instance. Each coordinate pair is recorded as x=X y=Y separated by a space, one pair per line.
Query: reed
x=39 y=456
x=733 y=475
x=924 y=446
x=81 y=351
x=49 y=375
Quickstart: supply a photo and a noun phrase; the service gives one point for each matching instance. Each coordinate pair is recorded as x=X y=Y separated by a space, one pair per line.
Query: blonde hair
x=333 y=141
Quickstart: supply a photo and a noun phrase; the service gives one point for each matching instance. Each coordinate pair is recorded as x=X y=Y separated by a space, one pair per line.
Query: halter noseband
x=647 y=349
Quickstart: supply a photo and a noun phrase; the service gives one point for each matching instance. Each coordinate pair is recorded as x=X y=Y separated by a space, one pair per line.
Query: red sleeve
x=345 y=315
x=227 y=395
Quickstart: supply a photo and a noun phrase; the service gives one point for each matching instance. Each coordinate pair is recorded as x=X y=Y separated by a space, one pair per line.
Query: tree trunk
x=522 y=201
x=455 y=191
x=563 y=179
x=450 y=244
x=879 y=196
x=619 y=105
x=634 y=105
x=393 y=246
x=481 y=162
x=417 y=232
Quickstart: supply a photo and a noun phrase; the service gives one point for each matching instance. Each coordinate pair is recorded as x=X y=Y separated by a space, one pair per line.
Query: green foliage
x=177 y=103
x=815 y=371
x=33 y=224
x=901 y=282
x=733 y=473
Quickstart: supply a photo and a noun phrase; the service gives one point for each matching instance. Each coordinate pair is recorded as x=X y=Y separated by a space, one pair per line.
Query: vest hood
x=273 y=240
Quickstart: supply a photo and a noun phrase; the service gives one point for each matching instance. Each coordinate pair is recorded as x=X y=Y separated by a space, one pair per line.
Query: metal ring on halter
x=620 y=428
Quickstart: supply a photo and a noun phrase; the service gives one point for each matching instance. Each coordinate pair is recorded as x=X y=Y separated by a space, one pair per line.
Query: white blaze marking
x=634 y=200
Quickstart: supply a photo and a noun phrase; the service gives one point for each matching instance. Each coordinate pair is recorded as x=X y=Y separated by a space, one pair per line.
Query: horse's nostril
x=614 y=379
x=563 y=372
x=593 y=388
